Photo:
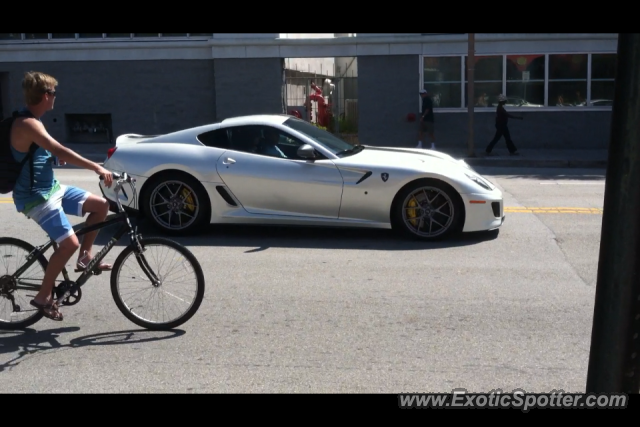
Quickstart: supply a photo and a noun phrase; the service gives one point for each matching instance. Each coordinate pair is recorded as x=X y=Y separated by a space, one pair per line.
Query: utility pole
x=614 y=358
x=471 y=61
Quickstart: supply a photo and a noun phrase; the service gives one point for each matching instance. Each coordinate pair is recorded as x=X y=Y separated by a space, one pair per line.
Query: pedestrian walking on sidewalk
x=426 y=120
x=502 y=117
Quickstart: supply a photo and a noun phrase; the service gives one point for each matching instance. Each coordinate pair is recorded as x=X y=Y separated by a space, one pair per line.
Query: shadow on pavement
x=30 y=341
x=263 y=237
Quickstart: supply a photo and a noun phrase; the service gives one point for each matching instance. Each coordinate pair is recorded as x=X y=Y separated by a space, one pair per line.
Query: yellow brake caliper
x=413 y=213
x=188 y=200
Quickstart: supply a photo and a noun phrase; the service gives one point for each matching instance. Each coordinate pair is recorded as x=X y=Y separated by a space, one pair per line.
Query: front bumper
x=484 y=211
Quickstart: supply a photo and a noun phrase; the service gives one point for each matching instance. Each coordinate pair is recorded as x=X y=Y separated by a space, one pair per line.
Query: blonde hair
x=35 y=84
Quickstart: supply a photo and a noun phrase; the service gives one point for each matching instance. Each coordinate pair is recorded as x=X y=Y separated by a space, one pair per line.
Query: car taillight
x=110 y=152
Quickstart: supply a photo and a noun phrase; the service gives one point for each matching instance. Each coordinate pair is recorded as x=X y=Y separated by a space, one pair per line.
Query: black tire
x=452 y=228
x=128 y=251
x=6 y=241
x=200 y=196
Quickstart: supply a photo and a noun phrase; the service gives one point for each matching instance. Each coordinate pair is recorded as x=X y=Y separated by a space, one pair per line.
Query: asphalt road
x=331 y=311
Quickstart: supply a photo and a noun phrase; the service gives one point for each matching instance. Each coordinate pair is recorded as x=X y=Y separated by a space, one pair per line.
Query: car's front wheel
x=176 y=203
x=428 y=209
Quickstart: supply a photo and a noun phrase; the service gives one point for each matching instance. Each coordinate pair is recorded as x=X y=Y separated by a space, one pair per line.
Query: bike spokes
x=169 y=300
x=16 y=292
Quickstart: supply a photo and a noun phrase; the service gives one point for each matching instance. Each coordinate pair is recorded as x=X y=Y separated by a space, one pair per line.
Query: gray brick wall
x=145 y=97
x=151 y=97
x=388 y=90
x=248 y=86
x=544 y=129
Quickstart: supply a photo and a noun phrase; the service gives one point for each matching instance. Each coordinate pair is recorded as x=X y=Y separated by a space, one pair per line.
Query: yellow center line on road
x=561 y=210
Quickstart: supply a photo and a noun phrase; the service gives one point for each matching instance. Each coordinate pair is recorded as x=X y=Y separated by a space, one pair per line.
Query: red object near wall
x=411 y=117
x=295 y=113
x=323 y=117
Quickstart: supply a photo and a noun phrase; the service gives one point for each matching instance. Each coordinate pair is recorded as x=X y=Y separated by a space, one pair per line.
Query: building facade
x=110 y=84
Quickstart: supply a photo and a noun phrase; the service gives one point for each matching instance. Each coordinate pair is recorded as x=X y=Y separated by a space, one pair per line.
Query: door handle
x=229 y=161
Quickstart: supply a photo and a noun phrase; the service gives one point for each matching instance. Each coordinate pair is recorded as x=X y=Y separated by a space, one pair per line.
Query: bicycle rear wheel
x=136 y=296
x=15 y=310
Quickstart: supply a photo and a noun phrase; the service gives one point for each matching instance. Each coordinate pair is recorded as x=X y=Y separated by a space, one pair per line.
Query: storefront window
x=34 y=36
x=568 y=80
x=525 y=80
x=603 y=73
x=442 y=78
x=487 y=80
x=10 y=36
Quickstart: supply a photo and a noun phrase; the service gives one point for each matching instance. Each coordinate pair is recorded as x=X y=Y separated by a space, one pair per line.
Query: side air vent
x=225 y=195
x=496 y=209
x=365 y=176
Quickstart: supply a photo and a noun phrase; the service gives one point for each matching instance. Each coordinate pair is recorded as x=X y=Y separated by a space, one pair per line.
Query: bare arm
x=36 y=132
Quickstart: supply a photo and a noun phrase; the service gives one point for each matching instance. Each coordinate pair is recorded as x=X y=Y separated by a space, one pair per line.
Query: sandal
x=81 y=266
x=50 y=311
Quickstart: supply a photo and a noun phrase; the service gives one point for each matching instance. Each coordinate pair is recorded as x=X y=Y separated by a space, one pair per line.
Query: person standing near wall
x=426 y=119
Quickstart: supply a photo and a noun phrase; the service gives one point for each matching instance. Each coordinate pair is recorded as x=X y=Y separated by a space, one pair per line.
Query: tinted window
x=216 y=138
x=267 y=141
x=326 y=139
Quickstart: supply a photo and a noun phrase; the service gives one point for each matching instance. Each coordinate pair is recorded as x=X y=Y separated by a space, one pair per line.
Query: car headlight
x=481 y=182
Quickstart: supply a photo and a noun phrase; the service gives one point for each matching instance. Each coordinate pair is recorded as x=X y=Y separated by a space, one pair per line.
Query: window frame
x=546 y=107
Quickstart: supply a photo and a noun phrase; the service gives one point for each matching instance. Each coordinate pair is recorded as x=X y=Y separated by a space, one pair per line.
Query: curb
x=536 y=163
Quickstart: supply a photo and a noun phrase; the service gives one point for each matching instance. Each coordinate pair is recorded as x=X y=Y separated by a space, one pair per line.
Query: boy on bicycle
x=45 y=200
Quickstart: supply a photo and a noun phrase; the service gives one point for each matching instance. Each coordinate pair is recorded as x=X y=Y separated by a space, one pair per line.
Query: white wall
x=348 y=66
x=307 y=35
x=324 y=66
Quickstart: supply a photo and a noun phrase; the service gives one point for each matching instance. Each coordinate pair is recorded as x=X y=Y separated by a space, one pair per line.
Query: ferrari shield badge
x=384 y=176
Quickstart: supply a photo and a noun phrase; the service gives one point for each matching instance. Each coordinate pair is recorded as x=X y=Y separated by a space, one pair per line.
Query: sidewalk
x=528 y=158
x=535 y=158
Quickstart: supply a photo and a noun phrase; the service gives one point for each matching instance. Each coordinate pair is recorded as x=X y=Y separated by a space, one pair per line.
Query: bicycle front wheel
x=160 y=306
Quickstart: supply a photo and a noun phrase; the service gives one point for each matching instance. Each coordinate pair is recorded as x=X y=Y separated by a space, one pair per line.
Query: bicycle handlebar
x=121 y=177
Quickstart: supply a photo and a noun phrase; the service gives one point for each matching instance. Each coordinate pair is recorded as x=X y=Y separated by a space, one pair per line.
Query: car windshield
x=329 y=141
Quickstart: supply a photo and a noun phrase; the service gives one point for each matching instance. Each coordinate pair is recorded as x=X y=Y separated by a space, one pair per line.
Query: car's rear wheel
x=428 y=209
x=176 y=203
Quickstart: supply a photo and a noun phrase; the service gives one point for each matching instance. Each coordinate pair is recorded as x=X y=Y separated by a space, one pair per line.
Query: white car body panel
x=269 y=190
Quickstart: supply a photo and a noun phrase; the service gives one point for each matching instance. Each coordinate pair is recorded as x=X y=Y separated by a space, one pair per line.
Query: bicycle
x=67 y=292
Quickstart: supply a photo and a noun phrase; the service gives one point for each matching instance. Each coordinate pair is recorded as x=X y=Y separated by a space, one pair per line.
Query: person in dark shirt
x=502 y=117
x=426 y=119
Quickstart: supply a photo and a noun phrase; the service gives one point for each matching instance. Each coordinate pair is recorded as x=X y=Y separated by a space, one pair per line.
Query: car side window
x=216 y=138
x=266 y=141
x=278 y=143
x=244 y=138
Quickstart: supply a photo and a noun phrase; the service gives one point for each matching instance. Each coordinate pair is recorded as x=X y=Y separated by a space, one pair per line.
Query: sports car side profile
x=281 y=170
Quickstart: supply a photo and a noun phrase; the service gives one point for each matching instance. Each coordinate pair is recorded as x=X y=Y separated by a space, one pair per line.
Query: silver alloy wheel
x=428 y=212
x=174 y=205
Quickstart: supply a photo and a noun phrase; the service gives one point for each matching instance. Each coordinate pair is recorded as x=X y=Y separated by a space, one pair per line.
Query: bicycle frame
x=91 y=268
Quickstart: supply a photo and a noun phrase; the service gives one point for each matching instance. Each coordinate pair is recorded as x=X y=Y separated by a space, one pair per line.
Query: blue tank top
x=44 y=181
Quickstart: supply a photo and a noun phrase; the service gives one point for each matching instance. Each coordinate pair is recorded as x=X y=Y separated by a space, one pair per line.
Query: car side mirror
x=307 y=152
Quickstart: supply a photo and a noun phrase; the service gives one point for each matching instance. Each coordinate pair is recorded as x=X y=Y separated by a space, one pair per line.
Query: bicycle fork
x=142 y=260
